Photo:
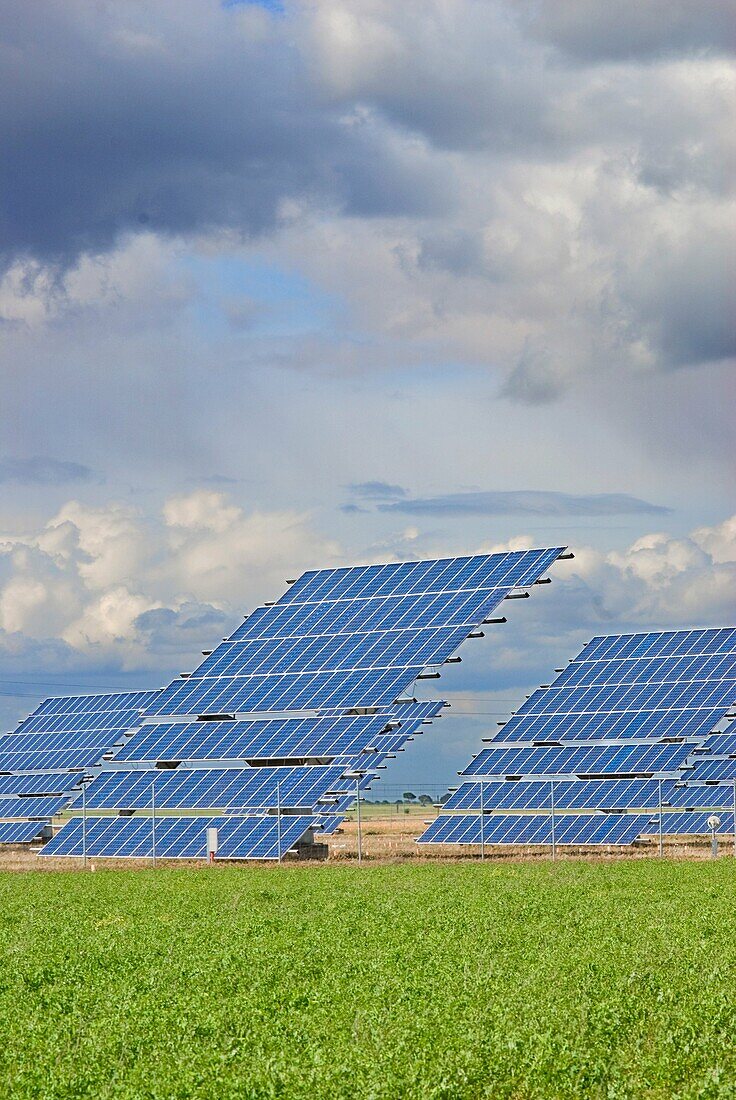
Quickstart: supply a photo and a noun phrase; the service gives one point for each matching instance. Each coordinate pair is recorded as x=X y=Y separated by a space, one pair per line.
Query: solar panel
x=632 y=686
x=575 y=794
x=605 y=720
x=32 y=807
x=355 y=637
x=212 y=788
x=330 y=824
x=637 y=759
x=20 y=832
x=720 y=744
x=693 y=823
x=275 y=694
x=47 y=783
x=706 y=769
x=179 y=837
x=64 y=737
x=715 y=796
x=535 y=829
x=269 y=738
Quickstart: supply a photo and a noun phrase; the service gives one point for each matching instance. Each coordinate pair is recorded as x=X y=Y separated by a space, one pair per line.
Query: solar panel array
x=295 y=710
x=43 y=760
x=627 y=726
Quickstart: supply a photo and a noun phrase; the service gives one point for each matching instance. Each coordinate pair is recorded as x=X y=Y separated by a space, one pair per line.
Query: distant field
x=408 y=980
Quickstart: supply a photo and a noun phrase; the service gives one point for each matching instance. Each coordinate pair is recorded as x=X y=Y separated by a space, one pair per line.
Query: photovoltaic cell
x=355 y=637
x=43 y=783
x=20 y=832
x=32 y=807
x=707 y=770
x=212 y=788
x=535 y=829
x=178 y=837
x=269 y=738
x=576 y=794
x=643 y=759
x=693 y=823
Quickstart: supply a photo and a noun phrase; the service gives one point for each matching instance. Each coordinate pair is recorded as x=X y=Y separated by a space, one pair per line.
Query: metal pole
x=360 y=840
x=659 y=795
x=153 y=821
x=552 y=803
x=278 y=818
x=713 y=843
x=734 y=817
x=482 y=824
x=84 y=825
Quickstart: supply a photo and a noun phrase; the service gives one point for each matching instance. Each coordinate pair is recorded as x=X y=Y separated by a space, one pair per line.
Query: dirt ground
x=389 y=840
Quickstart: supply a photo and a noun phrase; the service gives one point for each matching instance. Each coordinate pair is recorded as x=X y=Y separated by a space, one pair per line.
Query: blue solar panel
x=575 y=794
x=72 y=759
x=720 y=744
x=32 y=807
x=37 y=783
x=87 y=704
x=270 y=738
x=535 y=829
x=179 y=837
x=20 y=832
x=694 y=823
x=706 y=769
x=637 y=759
x=357 y=639
x=212 y=788
x=329 y=825
x=654 y=685
x=691 y=795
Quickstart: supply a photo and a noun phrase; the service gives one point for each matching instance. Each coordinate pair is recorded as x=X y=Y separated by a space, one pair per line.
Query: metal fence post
x=84 y=825
x=552 y=804
x=482 y=824
x=153 y=821
x=360 y=839
x=734 y=817
x=278 y=818
x=659 y=797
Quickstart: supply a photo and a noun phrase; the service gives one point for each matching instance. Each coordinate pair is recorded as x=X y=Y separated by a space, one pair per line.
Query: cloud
x=625 y=29
x=377 y=490
x=525 y=502
x=143 y=138
x=114 y=584
x=42 y=471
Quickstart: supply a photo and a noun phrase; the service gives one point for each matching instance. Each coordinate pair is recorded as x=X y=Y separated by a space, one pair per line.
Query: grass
x=452 y=981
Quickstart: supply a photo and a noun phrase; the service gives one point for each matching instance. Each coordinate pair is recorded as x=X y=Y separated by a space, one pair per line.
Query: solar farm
x=285 y=725
x=545 y=932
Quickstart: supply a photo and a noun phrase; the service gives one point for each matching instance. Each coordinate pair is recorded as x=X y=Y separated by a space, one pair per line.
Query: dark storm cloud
x=194 y=120
x=526 y=503
x=42 y=471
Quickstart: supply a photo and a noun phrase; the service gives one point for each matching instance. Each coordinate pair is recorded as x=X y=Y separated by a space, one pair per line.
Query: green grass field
x=449 y=980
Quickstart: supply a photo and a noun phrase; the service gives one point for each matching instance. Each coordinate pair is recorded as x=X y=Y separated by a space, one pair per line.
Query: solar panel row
x=213 y=788
x=639 y=688
x=179 y=837
x=535 y=829
x=337 y=640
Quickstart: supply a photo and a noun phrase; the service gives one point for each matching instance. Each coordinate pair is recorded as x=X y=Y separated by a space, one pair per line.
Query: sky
x=296 y=284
